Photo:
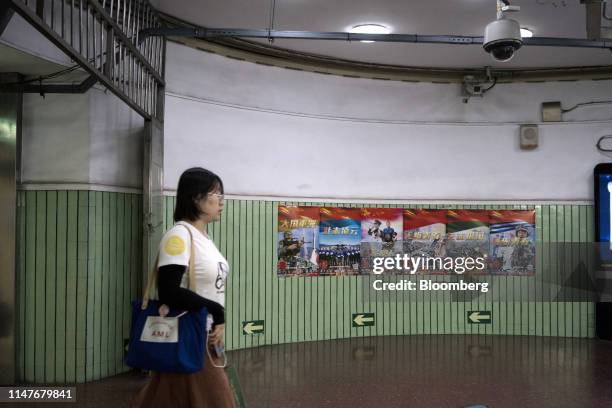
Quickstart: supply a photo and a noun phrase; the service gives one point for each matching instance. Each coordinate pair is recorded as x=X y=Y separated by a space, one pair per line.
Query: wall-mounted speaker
x=528 y=137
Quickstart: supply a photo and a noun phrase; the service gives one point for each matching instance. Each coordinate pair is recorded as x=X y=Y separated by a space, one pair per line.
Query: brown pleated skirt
x=208 y=388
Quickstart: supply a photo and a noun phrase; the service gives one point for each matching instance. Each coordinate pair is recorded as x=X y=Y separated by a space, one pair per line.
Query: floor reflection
x=429 y=371
x=405 y=371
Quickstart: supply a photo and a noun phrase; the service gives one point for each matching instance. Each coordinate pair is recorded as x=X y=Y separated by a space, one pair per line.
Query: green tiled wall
x=80 y=265
x=80 y=254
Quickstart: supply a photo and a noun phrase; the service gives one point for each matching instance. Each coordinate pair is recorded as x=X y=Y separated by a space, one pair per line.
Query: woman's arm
x=172 y=294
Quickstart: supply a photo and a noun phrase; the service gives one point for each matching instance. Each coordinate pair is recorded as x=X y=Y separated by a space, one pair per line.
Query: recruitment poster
x=381 y=235
x=339 y=241
x=425 y=235
x=468 y=234
x=298 y=233
x=512 y=247
x=329 y=241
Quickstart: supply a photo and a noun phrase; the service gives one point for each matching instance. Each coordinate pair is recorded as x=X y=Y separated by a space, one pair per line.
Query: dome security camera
x=502 y=38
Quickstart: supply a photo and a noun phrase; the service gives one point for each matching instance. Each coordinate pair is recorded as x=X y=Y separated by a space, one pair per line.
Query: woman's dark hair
x=193 y=184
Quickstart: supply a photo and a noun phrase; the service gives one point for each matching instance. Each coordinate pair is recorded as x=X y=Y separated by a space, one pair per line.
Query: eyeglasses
x=219 y=196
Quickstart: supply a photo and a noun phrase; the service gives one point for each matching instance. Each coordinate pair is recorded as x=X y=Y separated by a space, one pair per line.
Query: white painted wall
x=277 y=132
x=55 y=139
x=92 y=138
x=116 y=142
x=204 y=75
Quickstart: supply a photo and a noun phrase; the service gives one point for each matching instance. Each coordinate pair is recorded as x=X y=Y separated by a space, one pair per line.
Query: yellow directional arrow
x=251 y=327
x=361 y=319
x=479 y=317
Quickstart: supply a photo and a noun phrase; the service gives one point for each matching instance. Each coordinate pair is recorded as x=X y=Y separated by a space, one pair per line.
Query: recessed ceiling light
x=369 y=29
x=526 y=33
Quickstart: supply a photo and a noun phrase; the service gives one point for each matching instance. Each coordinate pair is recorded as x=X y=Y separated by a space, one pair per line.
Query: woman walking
x=199 y=201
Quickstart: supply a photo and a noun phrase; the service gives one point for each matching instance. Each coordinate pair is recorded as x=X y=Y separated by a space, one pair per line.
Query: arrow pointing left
x=253 y=327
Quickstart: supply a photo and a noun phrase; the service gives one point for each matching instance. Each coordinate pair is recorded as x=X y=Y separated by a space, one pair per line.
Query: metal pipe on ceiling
x=216 y=33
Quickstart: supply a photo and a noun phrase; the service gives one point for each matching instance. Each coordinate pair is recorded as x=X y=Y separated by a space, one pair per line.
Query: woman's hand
x=217 y=334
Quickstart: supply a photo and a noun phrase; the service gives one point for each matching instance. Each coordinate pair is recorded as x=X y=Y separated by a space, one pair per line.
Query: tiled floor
x=429 y=371
x=411 y=371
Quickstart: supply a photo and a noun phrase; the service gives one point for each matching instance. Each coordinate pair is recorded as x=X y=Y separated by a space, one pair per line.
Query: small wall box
x=551 y=112
x=528 y=137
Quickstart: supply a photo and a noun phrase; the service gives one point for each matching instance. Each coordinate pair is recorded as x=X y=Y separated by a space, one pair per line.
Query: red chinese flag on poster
x=458 y=220
x=374 y=221
x=424 y=224
x=506 y=216
x=340 y=213
x=297 y=217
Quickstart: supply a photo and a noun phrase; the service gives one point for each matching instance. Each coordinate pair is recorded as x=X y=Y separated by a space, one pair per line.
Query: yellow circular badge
x=174 y=246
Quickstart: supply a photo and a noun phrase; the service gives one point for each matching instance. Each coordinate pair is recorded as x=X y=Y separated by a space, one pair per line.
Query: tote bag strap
x=152 y=280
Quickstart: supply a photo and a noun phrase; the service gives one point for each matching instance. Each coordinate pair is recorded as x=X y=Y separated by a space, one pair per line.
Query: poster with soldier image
x=339 y=241
x=381 y=235
x=467 y=236
x=298 y=231
x=512 y=242
x=425 y=236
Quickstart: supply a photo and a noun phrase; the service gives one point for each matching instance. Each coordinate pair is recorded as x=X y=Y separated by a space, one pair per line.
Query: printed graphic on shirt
x=222 y=270
x=174 y=246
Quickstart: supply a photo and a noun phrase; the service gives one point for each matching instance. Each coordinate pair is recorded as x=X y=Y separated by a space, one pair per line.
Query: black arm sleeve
x=170 y=293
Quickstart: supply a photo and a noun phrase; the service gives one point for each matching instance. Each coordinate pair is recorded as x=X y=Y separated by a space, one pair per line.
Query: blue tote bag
x=171 y=343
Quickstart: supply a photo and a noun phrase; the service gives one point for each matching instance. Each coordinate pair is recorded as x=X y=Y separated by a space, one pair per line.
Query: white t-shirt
x=210 y=266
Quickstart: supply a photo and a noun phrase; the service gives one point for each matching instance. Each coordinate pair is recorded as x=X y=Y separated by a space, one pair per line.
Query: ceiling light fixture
x=526 y=33
x=369 y=29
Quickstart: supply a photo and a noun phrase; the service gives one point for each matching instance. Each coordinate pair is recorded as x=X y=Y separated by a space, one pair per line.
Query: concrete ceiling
x=14 y=60
x=546 y=18
x=24 y=50
x=31 y=66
